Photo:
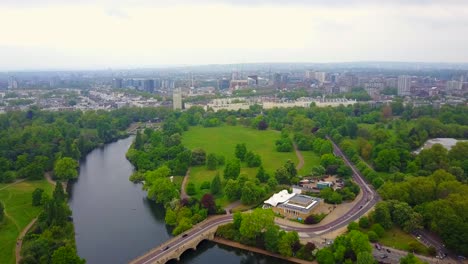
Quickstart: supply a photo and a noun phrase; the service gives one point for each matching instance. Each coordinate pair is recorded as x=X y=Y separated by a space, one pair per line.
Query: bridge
x=205 y=230
x=175 y=247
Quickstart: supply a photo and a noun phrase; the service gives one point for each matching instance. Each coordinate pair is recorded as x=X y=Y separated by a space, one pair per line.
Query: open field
x=19 y=212
x=222 y=141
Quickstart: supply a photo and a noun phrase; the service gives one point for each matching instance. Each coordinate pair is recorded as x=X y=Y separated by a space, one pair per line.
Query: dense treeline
x=31 y=142
x=34 y=142
x=52 y=239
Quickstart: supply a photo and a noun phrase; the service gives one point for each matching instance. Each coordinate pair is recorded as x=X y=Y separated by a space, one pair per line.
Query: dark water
x=114 y=222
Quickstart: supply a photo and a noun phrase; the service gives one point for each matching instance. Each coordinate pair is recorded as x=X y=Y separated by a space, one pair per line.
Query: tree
x=365 y=258
x=66 y=169
x=250 y=193
x=241 y=151
x=318 y=170
x=262 y=176
x=171 y=217
x=373 y=237
x=272 y=237
x=66 y=255
x=138 y=141
x=378 y=229
x=253 y=160
x=382 y=215
x=262 y=125
x=162 y=190
x=256 y=222
x=359 y=242
x=291 y=169
x=191 y=189
x=286 y=242
x=232 y=169
x=232 y=190
x=353 y=226
x=208 y=202
x=198 y=157
x=282 y=176
x=59 y=193
x=37 y=196
x=386 y=159
x=364 y=222
x=325 y=256
x=216 y=185
x=211 y=161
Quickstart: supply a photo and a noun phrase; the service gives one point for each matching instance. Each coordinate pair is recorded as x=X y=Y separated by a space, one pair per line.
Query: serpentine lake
x=115 y=222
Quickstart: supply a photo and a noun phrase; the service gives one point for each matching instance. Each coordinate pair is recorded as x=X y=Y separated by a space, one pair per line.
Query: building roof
x=280 y=197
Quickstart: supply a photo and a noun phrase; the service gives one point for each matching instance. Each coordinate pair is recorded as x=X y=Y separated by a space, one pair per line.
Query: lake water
x=115 y=222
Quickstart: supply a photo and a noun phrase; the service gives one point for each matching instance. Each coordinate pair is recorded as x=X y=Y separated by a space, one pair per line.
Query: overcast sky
x=77 y=34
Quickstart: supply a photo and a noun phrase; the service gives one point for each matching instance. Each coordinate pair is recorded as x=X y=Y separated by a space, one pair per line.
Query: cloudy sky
x=78 y=34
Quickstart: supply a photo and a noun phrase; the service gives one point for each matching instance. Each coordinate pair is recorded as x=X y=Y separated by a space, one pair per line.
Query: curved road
x=367 y=201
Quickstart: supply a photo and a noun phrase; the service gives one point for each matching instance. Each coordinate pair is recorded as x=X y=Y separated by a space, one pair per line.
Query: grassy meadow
x=19 y=213
x=222 y=141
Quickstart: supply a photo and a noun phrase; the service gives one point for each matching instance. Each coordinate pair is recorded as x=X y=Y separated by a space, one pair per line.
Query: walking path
x=299 y=157
x=19 y=241
x=183 y=193
x=13 y=183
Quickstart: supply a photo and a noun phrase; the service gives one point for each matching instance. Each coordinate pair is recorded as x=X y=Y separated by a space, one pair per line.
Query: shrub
x=205 y=185
x=373 y=237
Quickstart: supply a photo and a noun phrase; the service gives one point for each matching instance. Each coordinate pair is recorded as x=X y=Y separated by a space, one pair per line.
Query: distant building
x=292 y=205
x=223 y=84
x=177 y=99
x=148 y=85
x=404 y=85
x=454 y=85
x=12 y=83
x=117 y=83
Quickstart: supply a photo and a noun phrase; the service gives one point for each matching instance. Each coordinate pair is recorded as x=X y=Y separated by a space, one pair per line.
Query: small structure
x=324 y=184
x=292 y=205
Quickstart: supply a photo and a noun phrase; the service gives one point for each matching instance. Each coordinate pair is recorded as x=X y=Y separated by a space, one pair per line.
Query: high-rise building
x=12 y=82
x=404 y=85
x=177 y=99
x=117 y=83
x=454 y=85
x=320 y=76
x=148 y=85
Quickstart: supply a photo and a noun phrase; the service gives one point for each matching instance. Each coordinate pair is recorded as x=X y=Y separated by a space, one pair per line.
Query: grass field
x=222 y=141
x=398 y=239
x=17 y=201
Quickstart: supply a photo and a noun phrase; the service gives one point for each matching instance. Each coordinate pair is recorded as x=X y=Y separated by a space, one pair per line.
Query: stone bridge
x=189 y=240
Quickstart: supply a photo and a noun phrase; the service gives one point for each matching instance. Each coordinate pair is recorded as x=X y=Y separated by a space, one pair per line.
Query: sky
x=95 y=34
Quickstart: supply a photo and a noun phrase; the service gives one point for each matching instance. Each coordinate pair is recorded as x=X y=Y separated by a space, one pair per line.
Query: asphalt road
x=367 y=201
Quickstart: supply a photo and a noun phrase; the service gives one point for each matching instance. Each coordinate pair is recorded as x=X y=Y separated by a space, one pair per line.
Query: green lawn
x=398 y=239
x=222 y=141
x=17 y=201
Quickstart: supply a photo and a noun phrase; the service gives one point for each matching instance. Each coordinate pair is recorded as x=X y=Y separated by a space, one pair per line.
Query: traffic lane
x=173 y=244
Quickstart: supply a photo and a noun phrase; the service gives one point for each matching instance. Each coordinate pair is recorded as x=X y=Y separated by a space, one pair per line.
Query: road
x=367 y=201
x=178 y=244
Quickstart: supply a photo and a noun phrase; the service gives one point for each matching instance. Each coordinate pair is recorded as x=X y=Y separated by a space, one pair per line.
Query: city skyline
x=52 y=34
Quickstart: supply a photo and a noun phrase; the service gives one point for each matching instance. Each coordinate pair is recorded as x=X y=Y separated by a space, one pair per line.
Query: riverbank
x=260 y=251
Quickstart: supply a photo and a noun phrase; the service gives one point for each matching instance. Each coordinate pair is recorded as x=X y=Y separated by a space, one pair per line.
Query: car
x=378 y=246
x=184 y=235
x=166 y=248
x=384 y=256
x=461 y=258
x=388 y=250
x=360 y=206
